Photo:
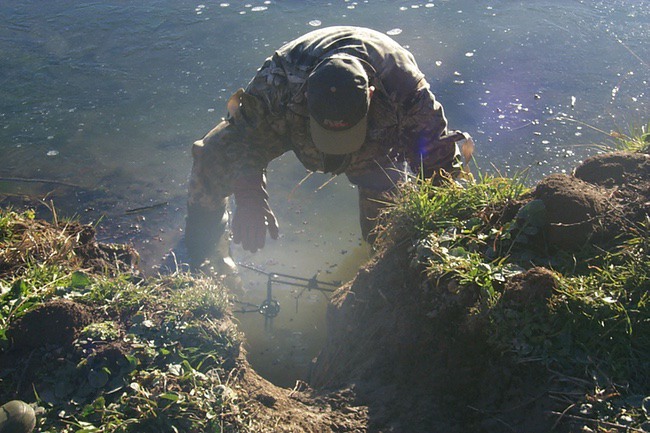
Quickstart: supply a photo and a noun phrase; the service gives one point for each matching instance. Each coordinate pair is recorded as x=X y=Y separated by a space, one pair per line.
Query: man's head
x=338 y=97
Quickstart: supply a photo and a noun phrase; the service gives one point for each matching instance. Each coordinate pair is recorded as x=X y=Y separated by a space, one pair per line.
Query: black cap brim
x=338 y=142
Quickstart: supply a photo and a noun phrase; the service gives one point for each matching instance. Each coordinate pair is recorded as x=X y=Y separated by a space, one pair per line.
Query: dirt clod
x=57 y=322
x=534 y=286
x=573 y=208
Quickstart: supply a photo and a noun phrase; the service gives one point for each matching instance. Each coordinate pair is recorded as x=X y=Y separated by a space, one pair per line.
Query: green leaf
x=87 y=411
x=133 y=361
x=533 y=213
x=79 y=280
x=19 y=288
x=187 y=367
x=169 y=396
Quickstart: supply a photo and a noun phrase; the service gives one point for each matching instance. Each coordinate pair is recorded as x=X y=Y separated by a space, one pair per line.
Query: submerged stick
x=592 y=421
x=36 y=180
x=145 y=208
x=293 y=190
x=326 y=183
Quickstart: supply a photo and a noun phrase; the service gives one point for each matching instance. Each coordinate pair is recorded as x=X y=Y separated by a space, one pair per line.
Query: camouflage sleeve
x=243 y=145
x=261 y=122
x=273 y=100
x=209 y=187
x=428 y=147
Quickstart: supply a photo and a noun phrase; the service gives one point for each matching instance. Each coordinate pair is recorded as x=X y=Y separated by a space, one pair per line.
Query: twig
x=482 y=412
x=145 y=208
x=566 y=378
x=293 y=190
x=299 y=387
x=630 y=51
x=586 y=125
x=597 y=422
x=526 y=125
x=562 y=415
x=36 y=180
x=326 y=183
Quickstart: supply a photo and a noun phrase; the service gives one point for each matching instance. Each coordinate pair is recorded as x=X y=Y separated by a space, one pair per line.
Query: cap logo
x=335 y=124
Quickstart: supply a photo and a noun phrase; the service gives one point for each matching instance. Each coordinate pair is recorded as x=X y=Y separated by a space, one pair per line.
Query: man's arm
x=430 y=148
x=231 y=158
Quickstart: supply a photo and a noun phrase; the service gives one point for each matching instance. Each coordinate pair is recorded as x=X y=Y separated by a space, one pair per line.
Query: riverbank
x=488 y=307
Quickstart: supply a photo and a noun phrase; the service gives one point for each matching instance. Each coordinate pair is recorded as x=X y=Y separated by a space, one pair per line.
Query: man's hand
x=253 y=215
x=442 y=154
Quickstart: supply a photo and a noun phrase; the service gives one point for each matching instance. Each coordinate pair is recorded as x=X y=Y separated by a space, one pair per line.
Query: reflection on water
x=105 y=98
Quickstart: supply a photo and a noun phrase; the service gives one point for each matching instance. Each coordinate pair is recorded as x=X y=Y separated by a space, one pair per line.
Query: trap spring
x=270 y=307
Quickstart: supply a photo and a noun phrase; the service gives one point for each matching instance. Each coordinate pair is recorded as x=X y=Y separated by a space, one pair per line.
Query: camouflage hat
x=338 y=100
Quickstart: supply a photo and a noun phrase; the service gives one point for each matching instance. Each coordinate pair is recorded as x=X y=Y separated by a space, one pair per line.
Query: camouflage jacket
x=405 y=122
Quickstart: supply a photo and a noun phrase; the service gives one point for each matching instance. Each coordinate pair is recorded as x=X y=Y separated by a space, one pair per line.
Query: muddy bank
x=93 y=345
x=421 y=349
x=412 y=346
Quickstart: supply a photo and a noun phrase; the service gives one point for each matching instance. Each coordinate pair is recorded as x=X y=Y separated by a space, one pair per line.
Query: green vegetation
x=159 y=354
x=424 y=208
x=589 y=325
x=162 y=355
x=638 y=140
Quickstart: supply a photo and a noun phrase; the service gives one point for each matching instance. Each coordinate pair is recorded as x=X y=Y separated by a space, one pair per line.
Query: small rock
x=646 y=406
x=17 y=417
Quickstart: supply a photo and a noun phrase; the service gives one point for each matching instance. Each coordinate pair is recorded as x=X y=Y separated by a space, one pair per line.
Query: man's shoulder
x=387 y=60
x=368 y=44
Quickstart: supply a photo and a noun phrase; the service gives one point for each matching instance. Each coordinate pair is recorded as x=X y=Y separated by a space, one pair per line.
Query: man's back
x=391 y=65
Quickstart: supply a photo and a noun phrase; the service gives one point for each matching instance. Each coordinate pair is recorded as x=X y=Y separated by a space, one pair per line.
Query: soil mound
x=422 y=362
x=615 y=169
x=574 y=209
x=57 y=322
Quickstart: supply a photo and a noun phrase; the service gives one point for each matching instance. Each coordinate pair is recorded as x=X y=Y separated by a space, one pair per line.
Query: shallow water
x=109 y=96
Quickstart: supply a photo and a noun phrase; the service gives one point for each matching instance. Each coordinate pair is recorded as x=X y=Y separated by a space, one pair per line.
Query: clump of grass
x=181 y=359
x=423 y=207
x=603 y=312
x=161 y=355
x=21 y=248
x=450 y=226
x=597 y=322
x=594 y=324
x=607 y=312
x=638 y=140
